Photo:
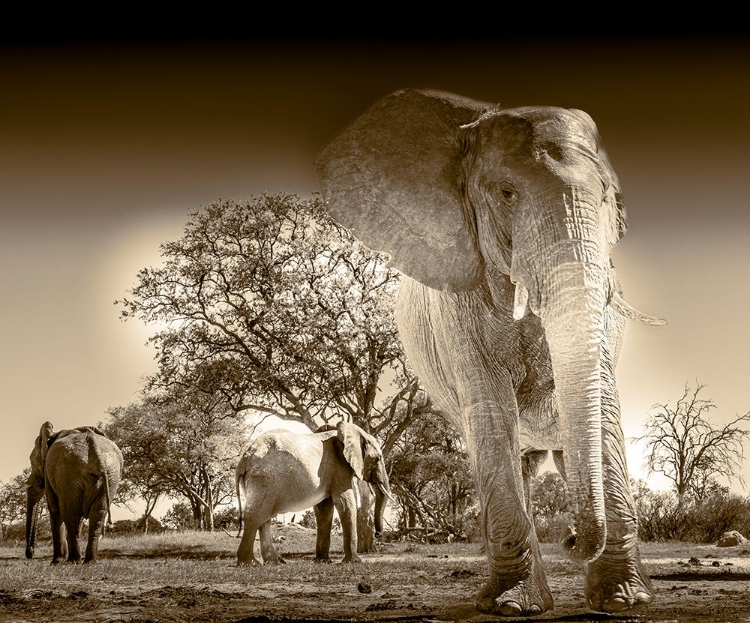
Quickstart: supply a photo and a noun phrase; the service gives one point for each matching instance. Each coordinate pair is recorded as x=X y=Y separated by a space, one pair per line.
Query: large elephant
x=78 y=470
x=284 y=471
x=489 y=213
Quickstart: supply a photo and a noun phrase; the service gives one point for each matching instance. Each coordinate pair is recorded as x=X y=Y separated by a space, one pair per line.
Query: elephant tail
x=93 y=450
x=108 y=499
x=239 y=500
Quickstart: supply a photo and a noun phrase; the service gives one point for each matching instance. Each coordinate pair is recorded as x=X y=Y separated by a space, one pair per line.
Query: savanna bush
x=661 y=517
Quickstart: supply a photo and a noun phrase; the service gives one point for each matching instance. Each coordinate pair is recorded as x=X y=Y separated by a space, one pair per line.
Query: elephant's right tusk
x=622 y=307
x=520 y=300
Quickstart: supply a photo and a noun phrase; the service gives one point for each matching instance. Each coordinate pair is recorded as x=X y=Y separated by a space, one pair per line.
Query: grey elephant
x=284 y=471
x=78 y=470
x=490 y=213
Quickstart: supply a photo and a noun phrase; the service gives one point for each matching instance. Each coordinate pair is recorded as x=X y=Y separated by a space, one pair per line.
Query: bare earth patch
x=198 y=581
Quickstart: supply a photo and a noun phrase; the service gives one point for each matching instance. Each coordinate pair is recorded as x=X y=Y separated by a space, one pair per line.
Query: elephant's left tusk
x=520 y=300
x=387 y=494
x=355 y=486
x=623 y=308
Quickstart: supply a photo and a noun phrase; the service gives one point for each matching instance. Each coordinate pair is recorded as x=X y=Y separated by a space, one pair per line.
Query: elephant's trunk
x=382 y=495
x=573 y=319
x=33 y=498
x=380 y=502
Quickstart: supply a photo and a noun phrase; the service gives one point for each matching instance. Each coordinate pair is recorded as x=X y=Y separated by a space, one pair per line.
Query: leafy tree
x=688 y=449
x=271 y=304
x=431 y=476
x=183 y=444
x=13 y=502
x=549 y=495
x=550 y=506
x=179 y=517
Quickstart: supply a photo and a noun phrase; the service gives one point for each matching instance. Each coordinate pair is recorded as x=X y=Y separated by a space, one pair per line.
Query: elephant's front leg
x=346 y=506
x=616 y=581
x=517 y=585
x=324 y=522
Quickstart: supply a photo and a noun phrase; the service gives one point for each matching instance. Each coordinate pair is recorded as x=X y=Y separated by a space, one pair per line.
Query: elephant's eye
x=508 y=192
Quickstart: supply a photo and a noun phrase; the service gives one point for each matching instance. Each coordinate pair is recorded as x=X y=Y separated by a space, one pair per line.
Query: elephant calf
x=284 y=471
x=79 y=470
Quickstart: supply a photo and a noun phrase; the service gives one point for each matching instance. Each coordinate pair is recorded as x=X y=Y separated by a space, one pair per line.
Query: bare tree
x=688 y=449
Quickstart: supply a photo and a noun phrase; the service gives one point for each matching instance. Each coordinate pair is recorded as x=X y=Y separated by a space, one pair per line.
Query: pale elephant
x=78 y=470
x=284 y=471
x=488 y=213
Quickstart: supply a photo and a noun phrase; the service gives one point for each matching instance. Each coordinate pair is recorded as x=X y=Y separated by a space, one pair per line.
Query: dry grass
x=192 y=576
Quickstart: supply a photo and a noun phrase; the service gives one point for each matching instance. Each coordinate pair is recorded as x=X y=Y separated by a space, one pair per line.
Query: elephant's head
x=463 y=194
x=35 y=484
x=362 y=451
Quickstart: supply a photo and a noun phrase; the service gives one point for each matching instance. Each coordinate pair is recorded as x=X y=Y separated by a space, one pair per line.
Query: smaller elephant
x=78 y=470
x=284 y=471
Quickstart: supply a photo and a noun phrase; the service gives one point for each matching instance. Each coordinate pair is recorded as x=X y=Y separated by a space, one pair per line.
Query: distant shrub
x=662 y=518
x=308 y=520
x=227 y=519
x=135 y=526
x=551 y=529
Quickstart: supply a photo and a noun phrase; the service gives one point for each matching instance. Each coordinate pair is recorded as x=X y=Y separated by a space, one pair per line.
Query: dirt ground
x=401 y=582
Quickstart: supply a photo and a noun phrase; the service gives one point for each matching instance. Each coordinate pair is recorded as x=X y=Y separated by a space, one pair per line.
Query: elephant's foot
x=615 y=585
x=252 y=562
x=275 y=561
x=322 y=560
x=528 y=597
x=353 y=558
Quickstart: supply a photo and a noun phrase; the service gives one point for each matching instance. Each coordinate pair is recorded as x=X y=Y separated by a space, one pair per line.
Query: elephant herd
x=511 y=313
x=78 y=471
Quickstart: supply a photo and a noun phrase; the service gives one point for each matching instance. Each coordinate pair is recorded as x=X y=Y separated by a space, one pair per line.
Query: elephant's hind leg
x=267 y=550
x=246 y=550
x=258 y=510
x=97 y=519
x=59 y=547
x=73 y=528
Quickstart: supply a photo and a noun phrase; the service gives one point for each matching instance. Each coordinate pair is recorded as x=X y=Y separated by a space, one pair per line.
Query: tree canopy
x=183 y=445
x=271 y=303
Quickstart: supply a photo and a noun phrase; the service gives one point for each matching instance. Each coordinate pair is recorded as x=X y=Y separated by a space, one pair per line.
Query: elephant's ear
x=350 y=437
x=618 y=218
x=39 y=453
x=393 y=178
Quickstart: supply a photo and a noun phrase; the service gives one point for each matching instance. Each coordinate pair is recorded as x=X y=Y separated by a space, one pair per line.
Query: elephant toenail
x=510 y=609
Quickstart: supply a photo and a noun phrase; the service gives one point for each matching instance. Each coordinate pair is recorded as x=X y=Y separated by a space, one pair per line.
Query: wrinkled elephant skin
x=510 y=312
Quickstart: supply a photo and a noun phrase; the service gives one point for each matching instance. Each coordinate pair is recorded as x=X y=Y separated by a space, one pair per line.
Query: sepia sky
x=105 y=148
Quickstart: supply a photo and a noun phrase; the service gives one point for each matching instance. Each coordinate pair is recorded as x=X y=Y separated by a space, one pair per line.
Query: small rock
x=363 y=588
x=695 y=561
x=716 y=563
